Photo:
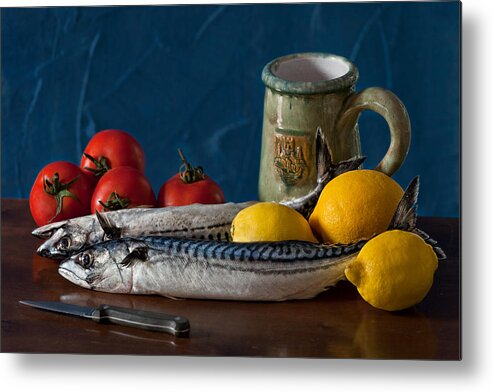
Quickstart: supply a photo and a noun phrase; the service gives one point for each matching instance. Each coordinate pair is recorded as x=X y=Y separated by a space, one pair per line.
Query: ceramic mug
x=310 y=90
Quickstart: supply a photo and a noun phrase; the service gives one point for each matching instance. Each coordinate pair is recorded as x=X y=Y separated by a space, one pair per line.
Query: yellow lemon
x=394 y=270
x=269 y=221
x=355 y=205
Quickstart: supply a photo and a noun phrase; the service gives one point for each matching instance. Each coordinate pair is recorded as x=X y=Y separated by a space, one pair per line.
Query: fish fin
x=423 y=235
x=110 y=230
x=405 y=215
x=430 y=241
x=139 y=253
x=440 y=253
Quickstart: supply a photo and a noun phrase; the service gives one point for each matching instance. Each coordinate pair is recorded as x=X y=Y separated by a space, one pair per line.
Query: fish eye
x=85 y=260
x=64 y=243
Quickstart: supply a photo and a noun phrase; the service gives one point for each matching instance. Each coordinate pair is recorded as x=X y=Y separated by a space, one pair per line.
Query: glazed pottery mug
x=310 y=90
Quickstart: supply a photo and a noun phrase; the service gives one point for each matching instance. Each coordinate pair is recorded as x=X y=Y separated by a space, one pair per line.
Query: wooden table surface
x=335 y=324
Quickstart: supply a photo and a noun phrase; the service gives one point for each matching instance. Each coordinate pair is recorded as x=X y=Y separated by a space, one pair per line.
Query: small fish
x=184 y=268
x=201 y=221
x=211 y=221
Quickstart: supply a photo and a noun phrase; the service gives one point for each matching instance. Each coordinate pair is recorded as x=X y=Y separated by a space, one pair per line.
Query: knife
x=168 y=323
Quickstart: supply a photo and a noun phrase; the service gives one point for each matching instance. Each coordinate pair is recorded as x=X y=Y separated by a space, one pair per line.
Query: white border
x=129 y=373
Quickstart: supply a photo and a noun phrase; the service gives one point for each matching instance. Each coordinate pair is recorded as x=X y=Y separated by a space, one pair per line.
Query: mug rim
x=282 y=85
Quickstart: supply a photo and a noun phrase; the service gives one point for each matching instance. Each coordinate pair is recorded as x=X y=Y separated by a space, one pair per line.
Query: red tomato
x=122 y=187
x=110 y=149
x=188 y=187
x=176 y=192
x=61 y=191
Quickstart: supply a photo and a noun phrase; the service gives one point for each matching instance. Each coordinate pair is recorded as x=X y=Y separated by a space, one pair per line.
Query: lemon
x=394 y=270
x=269 y=221
x=355 y=205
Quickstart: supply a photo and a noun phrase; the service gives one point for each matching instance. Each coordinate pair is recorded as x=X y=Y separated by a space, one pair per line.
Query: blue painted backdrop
x=189 y=76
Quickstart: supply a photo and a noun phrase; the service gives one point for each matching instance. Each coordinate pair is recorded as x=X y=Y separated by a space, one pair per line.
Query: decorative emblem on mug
x=289 y=157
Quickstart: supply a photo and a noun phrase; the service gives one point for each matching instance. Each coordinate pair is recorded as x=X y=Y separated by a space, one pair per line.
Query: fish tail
x=326 y=169
x=323 y=156
x=405 y=217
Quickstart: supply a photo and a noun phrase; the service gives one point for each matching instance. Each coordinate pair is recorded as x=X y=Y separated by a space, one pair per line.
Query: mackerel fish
x=198 y=221
x=201 y=221
x=187 y=268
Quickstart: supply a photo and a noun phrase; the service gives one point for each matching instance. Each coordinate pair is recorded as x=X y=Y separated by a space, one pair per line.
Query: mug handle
x=390 y=107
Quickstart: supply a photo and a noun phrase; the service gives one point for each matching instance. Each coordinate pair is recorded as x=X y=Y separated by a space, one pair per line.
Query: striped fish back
x=285 y=251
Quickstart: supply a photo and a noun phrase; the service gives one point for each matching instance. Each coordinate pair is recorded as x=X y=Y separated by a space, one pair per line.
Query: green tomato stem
x=54 y=187
x=115 y=202
x=188 y=173
x=102 y=165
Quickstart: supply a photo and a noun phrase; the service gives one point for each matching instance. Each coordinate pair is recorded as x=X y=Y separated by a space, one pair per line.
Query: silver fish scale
x=197 y=221
x=286 y=251
x=181 y=268
x=255 y=271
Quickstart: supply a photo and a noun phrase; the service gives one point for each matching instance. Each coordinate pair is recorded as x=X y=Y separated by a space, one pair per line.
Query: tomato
x=110 y=149
x=61 y=191
x=188 y=187
x=176 y=192
x=122 y=187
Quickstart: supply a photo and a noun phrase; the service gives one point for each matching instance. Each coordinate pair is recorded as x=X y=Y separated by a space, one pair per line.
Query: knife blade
x=153 y=321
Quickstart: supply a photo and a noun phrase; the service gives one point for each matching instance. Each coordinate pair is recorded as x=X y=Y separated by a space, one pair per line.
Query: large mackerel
x=185 y=268
x=212 y=222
